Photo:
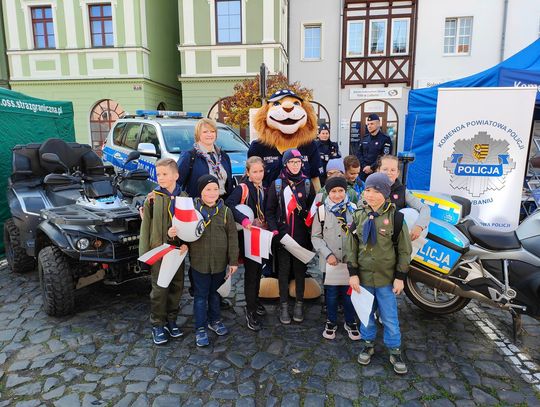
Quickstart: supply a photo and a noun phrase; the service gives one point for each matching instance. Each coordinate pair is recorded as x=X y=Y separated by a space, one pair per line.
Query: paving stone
x=111 y=393
x=482 y=397
x=343 y=389
x=347 y=372
x=71 y=400
x=50 y=383
x=261 y=359
x=218 y=365
x=103 y=359
x=166 y=401
x=343 y=402
x=92 y=377
x=14 y=380
x=142 y=401
x=204 y=385
x=246 y=388
x=71 y=373
x=236 y=359
x=144 y=374
x=28 y=403
x=139 y=387
x=290 y=400
x=245 y=402
x=179 y=388
x=321 y=368
x=40 y=337
x=111 y=381
x=491 y=369
x=20 y=365
x=158 y=387
x=7 y=335
x=193 y=402
x=54 y=394
x=511 y=397
x=226 y=377
x=371 y=388
x=27 y=389
x=441 y=403
x=224 y=394
x=314 y=400
x=125 y=401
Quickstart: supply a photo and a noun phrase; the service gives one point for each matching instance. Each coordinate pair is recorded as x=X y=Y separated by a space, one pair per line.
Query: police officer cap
x=282 y=93
x=373 y=116
x=323 y=127
x=380 y=182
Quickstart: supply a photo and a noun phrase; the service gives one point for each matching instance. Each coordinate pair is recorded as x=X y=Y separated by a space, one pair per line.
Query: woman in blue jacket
x=205 y=158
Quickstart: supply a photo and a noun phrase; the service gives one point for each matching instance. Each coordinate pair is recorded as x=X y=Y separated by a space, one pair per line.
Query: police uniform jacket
x=372 y=147
x=327 y=151
x=378 y=265
x=273 y=165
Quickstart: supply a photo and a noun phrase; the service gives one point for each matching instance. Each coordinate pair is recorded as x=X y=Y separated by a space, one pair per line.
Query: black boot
x=252 y=321
x=284 y=315
x=298 y=312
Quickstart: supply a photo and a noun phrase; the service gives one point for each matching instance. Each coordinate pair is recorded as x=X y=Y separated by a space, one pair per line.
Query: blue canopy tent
x=521 y=69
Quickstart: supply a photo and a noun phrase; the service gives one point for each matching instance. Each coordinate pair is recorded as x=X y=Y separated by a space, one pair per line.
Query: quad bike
x=70 y=218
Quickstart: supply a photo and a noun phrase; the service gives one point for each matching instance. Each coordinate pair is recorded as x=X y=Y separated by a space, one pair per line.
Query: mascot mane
x=275 y=138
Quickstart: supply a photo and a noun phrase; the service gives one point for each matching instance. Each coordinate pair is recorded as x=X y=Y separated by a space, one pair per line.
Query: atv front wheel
x=18 y=260
x=57 y=287
x=433 y=300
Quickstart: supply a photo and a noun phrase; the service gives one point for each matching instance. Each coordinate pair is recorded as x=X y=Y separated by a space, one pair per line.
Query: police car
x=165 y=134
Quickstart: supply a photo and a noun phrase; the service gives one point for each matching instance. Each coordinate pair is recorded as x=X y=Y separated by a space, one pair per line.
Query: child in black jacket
x=251 y=193
x=289 y=200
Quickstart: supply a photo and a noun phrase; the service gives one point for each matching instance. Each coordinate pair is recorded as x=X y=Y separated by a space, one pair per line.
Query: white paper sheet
x=296 y=250
x=336 y=275
x=363 y=303
x=225 y=288
x=169 y=266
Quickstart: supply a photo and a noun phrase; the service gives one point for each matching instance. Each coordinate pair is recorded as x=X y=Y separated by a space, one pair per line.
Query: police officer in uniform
x=327 y=149
x=374 y=145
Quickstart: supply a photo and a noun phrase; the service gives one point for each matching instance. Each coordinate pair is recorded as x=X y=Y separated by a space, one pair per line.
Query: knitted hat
x=204 y=180
x=380 y=182
x=335 y=182
x=290 y=154
x=335 y=164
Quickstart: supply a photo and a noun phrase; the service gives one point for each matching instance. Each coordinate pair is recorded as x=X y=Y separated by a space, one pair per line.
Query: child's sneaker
x=329 y=330
x=201 y=337
x=397 y=361
x=298 y=311
x=367 y=349
x=159 y=335
x=252 y=322
x=218 y=328
x=284 y=316
x=261 y=311
x=173 y=330
x=352 y=330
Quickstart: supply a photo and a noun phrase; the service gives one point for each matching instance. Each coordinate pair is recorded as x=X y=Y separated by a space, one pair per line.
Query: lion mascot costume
x=287 y=121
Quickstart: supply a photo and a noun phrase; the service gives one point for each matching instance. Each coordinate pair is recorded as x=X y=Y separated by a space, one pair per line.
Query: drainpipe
x=288 y=35
x=503 y=35
x=4 y=43
x=339 y=93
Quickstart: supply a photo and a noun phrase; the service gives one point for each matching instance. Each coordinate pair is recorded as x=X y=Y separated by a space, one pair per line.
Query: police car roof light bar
x=169 y=113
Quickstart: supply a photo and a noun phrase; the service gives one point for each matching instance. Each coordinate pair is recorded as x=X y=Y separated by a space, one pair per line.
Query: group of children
x=355 y=224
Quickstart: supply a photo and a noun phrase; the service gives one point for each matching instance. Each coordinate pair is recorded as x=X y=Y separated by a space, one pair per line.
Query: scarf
x=207 y=212
x=213 y=163
x=259 y=202
x=369 y=231
x=175 y=193
x=339 y=210
x=293 y=180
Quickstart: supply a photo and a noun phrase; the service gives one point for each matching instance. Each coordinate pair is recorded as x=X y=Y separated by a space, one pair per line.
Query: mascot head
x=286 y=121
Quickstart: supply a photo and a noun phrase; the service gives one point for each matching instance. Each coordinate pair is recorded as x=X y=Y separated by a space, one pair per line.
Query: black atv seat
x=494 y=240
x=27 y=163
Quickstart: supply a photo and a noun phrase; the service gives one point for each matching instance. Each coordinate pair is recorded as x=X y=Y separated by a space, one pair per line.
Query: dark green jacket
x=155 y=224
x=377 y=265
x=218 y=245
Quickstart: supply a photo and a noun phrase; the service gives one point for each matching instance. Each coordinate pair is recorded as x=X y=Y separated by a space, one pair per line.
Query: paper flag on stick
x=171 y=261
x=296 y=250
x=150 y=257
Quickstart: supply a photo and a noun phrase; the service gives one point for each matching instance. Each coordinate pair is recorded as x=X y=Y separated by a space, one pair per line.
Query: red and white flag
x=187 y=220
x=156 y=254
x=257 y=243
x=312 y=212
x=290 y=202
x=184 y=210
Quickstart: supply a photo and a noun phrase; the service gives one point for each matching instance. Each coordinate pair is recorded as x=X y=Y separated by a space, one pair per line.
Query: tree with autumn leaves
x=247 y=96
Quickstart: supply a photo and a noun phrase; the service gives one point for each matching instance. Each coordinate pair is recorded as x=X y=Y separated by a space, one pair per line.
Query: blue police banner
x=520 y=78
x=480 y=149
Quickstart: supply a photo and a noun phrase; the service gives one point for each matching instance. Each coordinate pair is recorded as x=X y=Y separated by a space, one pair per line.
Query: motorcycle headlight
x=83 y=244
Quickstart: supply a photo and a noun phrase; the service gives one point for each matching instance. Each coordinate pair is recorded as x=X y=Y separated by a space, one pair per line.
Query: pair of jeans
x=206 y=298
x=285 y=263
x=385 y=301
x=252 y=283
x=332 y=294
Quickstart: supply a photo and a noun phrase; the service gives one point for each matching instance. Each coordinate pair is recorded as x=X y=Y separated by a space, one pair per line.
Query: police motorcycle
x=461 y=260
x=70 y=218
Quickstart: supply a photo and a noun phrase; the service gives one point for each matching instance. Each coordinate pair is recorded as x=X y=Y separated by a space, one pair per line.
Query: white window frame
x=363 y=38
x=459 y=22
x=26 y=6
x=86 y=22
x=385 y=21
x=407 y=39
x=305 y=25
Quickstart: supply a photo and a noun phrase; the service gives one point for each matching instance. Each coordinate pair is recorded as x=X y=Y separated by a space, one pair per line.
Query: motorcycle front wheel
x=433 y=300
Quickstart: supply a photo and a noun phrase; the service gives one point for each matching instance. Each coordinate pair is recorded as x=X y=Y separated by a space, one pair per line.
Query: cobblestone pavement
x=103 y=356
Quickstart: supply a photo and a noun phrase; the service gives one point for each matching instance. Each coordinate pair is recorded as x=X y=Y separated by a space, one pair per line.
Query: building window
x=457 y=35
x=400 y=36
x=42 y=24
x=355 y=39
x=228 y=21
x=102 y=117
x=101 y=26
x=312 y=42
x=377 y=37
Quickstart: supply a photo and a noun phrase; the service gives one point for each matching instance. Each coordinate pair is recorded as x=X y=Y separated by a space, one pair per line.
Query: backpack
x=192 y=156
x=245 y=193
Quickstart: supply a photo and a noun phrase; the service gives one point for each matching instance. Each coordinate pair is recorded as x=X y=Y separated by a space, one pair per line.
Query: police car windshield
x=180 y=137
